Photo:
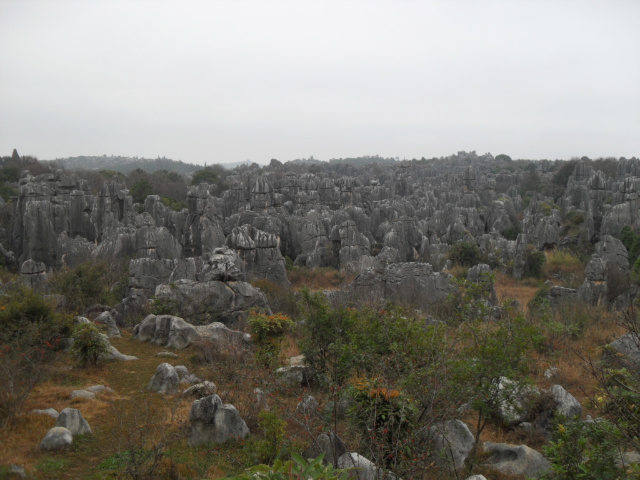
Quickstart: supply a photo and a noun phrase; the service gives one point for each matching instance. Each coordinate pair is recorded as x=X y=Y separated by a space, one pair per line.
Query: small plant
x=296 y=469
x=385 y=417
x=89 y=343
x=267 y=449
x=267 y=332
x=534 y=262
x=512 y=232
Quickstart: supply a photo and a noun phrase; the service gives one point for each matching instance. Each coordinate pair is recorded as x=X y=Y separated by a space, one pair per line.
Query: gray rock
x=476 y=477
x=114 y=354
x=166 y=355
x=17 y=470
x=199 y=390
x=567 y=404
x=214 y=422
x=364 y=468
x=99 y=389
x=174 y=332
x=293 y=376
x=56 y=438
x=82 y=394
x=452 y=442
x=624 y=351
x=331 y=445
x=550 y=372
x=106 y=319
x=72 y=420
x=165 y=380
x=308 y=405
x=52 y=412
x=516 y=459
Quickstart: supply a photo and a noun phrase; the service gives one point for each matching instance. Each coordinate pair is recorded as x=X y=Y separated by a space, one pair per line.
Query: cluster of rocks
x=339 y=217
x=69 y=423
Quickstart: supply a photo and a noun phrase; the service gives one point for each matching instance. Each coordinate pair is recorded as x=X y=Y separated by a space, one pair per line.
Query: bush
x=534 y=262
x=267 y=332
x=30 y=335
x=466 y=254
x=296 y=469
x=585 y=451
x=88 y=284
x=512 y=232
x=89 y=343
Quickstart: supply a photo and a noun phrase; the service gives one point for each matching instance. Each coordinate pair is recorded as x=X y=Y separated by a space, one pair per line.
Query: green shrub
x=88 y=284
x=30 y=335
x=512 y=232
x=534 y=262
x=89 y=343
x=268 y=448
x=585 y=451
x=296 y=469
x=267 y=332
x=466 y=254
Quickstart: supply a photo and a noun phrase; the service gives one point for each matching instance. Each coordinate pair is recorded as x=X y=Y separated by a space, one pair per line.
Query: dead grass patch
x=508 y=288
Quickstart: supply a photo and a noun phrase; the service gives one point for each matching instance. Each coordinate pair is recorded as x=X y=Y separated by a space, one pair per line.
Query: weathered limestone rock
x=51 y=412
x=516 y=459
x=567 y=404
x=34 y=275
x=215 y=422
x=73 y=421
x=56 y=438
x=452 y=442
x=165 y=380
x=199 y=390
x=174 y=332
x=106 y=319
x=331 y=445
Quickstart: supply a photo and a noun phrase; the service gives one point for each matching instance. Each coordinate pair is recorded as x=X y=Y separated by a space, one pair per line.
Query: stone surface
x=165 y=380
x=567 y=404
x=72 y=420
x=200 y=390
x=106 y=319
x=516 y=459
x=56 y=438
x=452 y=442
x=82 y=394
x=52 y=412
x=364 y=468
x=215 y=422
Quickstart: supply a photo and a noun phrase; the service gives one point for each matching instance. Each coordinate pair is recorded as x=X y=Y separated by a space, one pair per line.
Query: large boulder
x=362 y=467
x=165 y=380
x=72 y=420
x=412 y=283
x=452 y=441
x=174 y=332
x=624 y=351
x=566 y=404
x=516 y=459
x=215 y=422
x=56 y=438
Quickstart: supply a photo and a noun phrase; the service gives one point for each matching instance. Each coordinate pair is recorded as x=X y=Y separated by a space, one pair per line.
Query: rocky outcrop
x=56 y=438
x=411 y=283
x=174 y=332
x=451 y=442
x=516 y=460
x=165 y=380
x=260 y=254
x=215 y=422
x=73 y=421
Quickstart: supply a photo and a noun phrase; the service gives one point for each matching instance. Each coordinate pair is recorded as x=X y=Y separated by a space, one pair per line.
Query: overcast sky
x=226 y=81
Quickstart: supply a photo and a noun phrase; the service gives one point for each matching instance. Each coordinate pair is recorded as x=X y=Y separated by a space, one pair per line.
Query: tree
x=141 y=190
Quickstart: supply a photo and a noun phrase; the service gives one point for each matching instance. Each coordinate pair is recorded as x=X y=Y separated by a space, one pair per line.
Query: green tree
x=140 y=190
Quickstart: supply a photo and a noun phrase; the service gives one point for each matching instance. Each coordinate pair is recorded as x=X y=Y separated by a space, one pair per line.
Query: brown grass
x=321 y=278
x=508 y=288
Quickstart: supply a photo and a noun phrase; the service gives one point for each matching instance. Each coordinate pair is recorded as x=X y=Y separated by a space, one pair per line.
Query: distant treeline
x=126 y=164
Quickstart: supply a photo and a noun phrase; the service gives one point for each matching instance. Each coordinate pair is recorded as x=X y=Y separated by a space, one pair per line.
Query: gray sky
x=229 y=80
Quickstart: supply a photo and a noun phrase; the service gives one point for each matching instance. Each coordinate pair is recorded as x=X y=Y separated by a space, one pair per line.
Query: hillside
x=393 y=315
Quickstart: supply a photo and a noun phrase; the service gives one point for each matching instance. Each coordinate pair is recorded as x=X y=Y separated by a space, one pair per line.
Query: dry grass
x=322 y=278
x=564 y=268
x=508 y=288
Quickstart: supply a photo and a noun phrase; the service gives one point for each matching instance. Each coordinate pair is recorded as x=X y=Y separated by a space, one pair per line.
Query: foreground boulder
x=364 y=468
x=56 y=438
x=73 y=421
x=452 y=442
x=215 y=422
x=516 y=459
x=174 y=332
x=566 y=404
x=165 y=380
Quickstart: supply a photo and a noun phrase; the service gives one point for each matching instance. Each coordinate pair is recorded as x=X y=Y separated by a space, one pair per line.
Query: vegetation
x=89 y=343
x=466 y=254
